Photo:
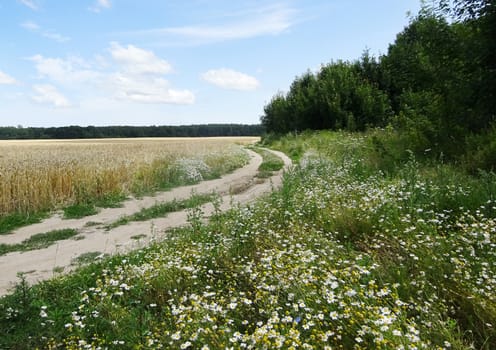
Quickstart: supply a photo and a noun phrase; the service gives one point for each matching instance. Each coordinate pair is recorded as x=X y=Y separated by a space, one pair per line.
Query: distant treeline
x=86 y=132
x=436 y=86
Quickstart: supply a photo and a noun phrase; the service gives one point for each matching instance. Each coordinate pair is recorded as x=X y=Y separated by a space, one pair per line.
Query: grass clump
x=11 y=222
x=38 y=241
x=342 y=256
x=270 y=163
x=162 y=209
x=77 y=211
x=88 y=258
x=90 y=206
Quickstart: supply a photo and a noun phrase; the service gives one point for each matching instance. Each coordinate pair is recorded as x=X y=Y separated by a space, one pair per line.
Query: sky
x=174 y=62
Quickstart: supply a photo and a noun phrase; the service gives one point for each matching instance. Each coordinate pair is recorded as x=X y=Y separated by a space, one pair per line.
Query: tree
x=478 y=17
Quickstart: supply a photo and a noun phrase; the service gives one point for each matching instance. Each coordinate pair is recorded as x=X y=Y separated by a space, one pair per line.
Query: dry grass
x=47 y=174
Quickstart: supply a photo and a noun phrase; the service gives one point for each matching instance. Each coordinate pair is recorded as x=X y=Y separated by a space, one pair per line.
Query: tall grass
x=342 y=257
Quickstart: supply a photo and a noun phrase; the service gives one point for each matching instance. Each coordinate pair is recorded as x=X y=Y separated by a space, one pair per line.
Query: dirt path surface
x=239 y=187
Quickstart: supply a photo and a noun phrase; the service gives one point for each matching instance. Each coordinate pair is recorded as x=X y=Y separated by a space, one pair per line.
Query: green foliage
x=481 y=152
x=79 y=132
x=10 y=222
x=436 y=86
x=342 y=256
x=77 y=211
x=87 y=205
x=339 y=96
x=270 y=163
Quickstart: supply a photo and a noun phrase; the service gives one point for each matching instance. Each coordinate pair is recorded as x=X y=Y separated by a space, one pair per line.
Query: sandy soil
x=239 y=187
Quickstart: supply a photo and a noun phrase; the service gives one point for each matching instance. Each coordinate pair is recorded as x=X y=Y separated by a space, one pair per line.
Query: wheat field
x=37 y=175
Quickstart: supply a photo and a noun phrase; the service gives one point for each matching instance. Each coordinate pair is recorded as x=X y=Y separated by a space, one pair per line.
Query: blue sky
x=174 y=62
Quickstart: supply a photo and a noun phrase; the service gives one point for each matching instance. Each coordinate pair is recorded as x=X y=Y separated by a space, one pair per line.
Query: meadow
x=38 y=177
x=351 y=253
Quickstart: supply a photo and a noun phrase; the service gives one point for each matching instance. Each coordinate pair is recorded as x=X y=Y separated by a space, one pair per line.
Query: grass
x=13 y=221
x=162 y=209
x=92 y=206
x=343 y=256
x=77 y=211
x=38 y=241
x=270 y=163
x=88 y=258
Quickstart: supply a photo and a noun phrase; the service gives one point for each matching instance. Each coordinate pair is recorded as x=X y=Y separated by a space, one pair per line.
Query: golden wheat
x=48 y=174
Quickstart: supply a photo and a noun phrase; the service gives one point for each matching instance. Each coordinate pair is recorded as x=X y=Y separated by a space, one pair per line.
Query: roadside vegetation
x=345 y=255
x=435 y=87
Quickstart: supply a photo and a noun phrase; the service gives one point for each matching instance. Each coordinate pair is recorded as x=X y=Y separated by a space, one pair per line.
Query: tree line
x=436 y=85
x=79 y=132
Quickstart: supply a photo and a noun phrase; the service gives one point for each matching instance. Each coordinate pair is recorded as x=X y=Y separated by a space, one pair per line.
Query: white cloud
x=68 y=71
x=101 y=5
x=49 y=94
x=230 y=79
x=55 y=36
x=29 y=3
x=133 y=74
x=6 y=79
x=30 y=26
x=138 y=61
x=269 y=20
x=139 y=78
x=148 y=89
x=49 y=34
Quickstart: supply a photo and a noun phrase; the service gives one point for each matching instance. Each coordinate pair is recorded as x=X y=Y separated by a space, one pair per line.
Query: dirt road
x=239 y=187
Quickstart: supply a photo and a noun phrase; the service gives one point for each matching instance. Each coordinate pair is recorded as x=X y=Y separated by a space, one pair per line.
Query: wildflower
x=350 y=293
x=186 y=345
x=43 y=313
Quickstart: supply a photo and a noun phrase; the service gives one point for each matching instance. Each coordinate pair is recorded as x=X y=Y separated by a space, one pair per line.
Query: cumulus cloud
x=135 y=75
x=149 y=89
x=6 y=79
x=138 y=61
x=49 y=34
x=230 y=79
x=48 y=94
x=139 y=78
x=65 y=71
x=101 y=5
